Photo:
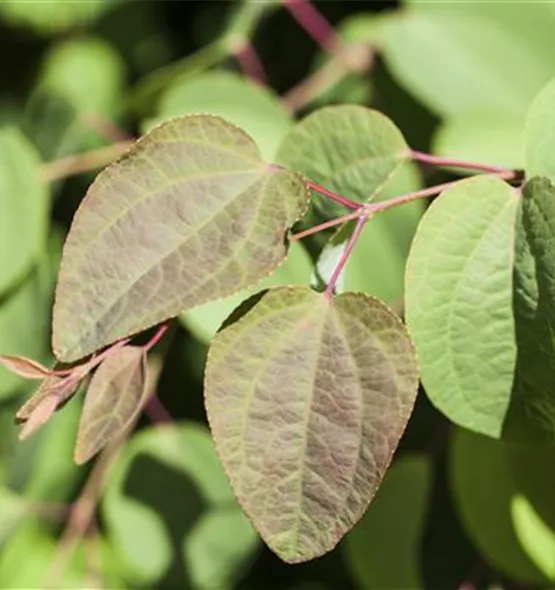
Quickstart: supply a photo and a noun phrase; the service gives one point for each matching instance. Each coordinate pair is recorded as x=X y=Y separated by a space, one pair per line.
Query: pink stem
x=157 y=412
x=333 y=196
x=313 y=22
x=328 y=224
x=250 y=63
x=426 y=192
x=156 y=338
x=454 y=163
x=345 y=256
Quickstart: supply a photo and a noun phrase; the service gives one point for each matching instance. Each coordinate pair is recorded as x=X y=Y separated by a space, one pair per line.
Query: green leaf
x=151 y=86
x=13 y=509
x=87 y=71
x=377 y=264
x=114 y=398
x=459 y=302
x=52 y=16
x=358 y=33
x=42 y=468
x=307 y=399
x=205 y=320
x=459 y=57
x=488 y=137
x=23 y=207
x=168 y=487
x=498 y=517
x=531 y=414
x=28 y=558
x=189 y=215
x=79 y=87
x=24 y=325
x=383 y=550
x=250 y=106
x=535 y=536
x=348 y=149
x=540 y=134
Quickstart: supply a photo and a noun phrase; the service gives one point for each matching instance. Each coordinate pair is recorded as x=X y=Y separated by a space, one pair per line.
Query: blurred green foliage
x=456 y=510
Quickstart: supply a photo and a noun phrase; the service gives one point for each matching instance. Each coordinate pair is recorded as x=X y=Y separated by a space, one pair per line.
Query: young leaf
x=24 y=367
x=42 y=412
x=349 y=149
x=307 y=399
x=23 y=207
x=168 y=486
x=204 y=321
x=113 y=400
x=531 y=414
x=540 y=134
x=459 y=302
x=189 y=215
x=57 y=390
x=491 y=514
x=383 y=550
x=251 y=106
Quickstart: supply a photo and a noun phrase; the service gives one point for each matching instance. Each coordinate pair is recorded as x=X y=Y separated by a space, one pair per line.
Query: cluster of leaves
x=311 y=377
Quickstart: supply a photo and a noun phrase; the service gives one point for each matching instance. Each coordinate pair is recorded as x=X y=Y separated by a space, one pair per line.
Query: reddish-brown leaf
x=24 y=367
x=113 y=400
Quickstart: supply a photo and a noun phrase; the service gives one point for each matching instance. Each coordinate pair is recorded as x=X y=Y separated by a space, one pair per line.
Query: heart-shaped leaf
x=307 y=399
x=113 y=400
x=531 y=414
x=254 y=108
x=349 y=149
x=190 y=214
x=459 y=302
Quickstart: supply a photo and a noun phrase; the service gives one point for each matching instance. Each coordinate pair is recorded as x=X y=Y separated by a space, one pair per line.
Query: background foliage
x=456 y=509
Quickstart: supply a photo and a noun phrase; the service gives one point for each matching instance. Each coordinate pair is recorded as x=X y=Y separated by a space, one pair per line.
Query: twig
x=356 y=58
x=247 y=57
x=73 y=165
x=50 y=510
x=105 y=128
x=327 y=224
x=82 y=514
x=333 y=196
x=345 y=256
x=157 y=412
x=426 y=192
x=314 y=23
x=454 y=163
x=83 y=509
